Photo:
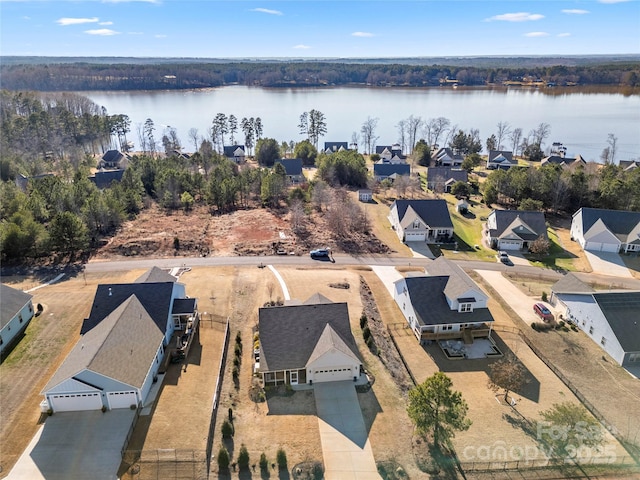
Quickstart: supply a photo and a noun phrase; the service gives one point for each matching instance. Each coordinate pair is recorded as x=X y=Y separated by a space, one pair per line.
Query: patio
x=480 y=348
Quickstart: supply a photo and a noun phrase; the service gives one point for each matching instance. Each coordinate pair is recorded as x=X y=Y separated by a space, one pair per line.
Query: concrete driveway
x=521 y=303
x=606 y=263
x=75 y=445
x=387 y=275
x=345 y=444
x=420 y=250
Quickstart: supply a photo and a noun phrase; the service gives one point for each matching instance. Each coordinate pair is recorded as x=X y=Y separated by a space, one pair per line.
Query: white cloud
x=160 y=35
x=575 y=11
x=564 y=34
x=516 y=17
x=362 y=34
x=536 y=34
x=75 y=21
x=105 y=32
x=266 y=10
x=302 y=47
x=105 y=23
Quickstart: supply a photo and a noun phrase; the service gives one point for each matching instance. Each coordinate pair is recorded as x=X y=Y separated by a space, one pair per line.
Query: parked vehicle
x=320 y=253
x=503 y=257
x=543 y=312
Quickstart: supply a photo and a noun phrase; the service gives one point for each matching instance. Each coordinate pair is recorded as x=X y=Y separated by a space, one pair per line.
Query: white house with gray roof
x=421 y=220
x=16 y=311
x=609 y=318
x=514 y=229
x=122 y=344
x=445 y=304
x=600 y=230
x=112 y=366
x=307 y=343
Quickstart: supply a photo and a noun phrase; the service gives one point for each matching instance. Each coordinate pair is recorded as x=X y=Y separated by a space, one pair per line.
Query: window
x=20 y=317
x=416 y=224
x=603 y=341
x=591 y=330
x=447 y=327
x=465 y=307
x=634 y=357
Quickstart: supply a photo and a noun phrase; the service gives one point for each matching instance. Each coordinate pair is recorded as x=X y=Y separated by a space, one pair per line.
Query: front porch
x=285 y=377
x=467 y=334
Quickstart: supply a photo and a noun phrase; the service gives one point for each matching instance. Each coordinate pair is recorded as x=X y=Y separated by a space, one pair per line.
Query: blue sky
x=299 y=28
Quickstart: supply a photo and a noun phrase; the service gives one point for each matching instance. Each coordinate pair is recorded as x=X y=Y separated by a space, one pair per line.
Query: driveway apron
x=345 y=444
x=606 y=263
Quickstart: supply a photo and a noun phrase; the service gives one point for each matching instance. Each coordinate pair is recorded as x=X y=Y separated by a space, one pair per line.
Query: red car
x=543 y=312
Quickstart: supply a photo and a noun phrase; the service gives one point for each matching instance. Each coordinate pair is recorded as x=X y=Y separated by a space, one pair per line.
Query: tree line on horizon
x=132 y=76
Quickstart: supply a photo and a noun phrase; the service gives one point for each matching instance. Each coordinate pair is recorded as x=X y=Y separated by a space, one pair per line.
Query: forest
x=56 y=140
x=184 y=74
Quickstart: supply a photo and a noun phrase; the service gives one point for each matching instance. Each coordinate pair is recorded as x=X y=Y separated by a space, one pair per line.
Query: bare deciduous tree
x=504 y=129
x=368 y=131
x=507 y=374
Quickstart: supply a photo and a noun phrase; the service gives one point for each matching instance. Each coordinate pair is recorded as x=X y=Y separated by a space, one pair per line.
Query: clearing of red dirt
x=255 y=231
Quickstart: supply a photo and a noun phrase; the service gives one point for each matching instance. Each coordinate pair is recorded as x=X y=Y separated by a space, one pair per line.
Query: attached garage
x=75 y=401
x=414 y=237
x=122 y=399
x=332 y=374
x=602 y=247
x=509 y=245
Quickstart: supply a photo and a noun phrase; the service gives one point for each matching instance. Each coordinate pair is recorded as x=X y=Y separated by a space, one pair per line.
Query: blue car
x=320 y=253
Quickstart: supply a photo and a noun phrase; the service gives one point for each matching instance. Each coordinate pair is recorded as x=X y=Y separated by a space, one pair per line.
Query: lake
x=579 y=120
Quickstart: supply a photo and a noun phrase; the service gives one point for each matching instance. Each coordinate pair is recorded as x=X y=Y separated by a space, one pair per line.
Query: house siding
x=11 y=332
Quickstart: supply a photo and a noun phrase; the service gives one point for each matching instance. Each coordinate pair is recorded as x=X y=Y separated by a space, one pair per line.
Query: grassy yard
x=468 y=231
x=557 y=259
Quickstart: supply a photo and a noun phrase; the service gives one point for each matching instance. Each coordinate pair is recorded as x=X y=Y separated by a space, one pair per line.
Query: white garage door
x=414 y=237
x=608 y=247
x=509 y=245
x=332 y=374
x=122 y=399
x=602 y=247
x=76 y=401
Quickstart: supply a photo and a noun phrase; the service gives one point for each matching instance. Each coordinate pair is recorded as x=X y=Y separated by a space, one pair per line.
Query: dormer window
x=465 y=307
x=416 y=224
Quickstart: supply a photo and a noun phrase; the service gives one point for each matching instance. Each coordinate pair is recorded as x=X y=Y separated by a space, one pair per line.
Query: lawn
x=557 y=258
x=468 y=231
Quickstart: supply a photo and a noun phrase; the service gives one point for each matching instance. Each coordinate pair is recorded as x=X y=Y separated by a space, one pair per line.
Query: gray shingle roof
x=619 y=222
x=229 y=150
x=121 y=347
x=155 y=298
x=11 y=302
x=183 y=306
x=431 y=307
x=105 y=178
x=293 y=166
x=621 y=310
x=507 y=155
x=442 y=174
x=530 y=227
x=388 y=169
x=434 y=213
x=458 y=282
x=155 y=275
x=328 y=341
x=289 y=334
x=571 y=284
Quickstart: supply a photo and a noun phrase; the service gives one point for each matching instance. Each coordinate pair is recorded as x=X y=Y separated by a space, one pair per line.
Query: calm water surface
x=581 y=121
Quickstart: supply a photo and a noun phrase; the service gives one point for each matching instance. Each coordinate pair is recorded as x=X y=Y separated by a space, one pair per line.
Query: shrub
x=237 y=351
x=239 y=339
x=231 y=414
x=176 y=243
x=243 y=458
x=363 y=320
x=544 y=296
x=366 y=333
x=236 y=361
x=256 y=336
x=235 y=373
x=281 y=459
x=264 y=463
x=223 y=458
x=227 y=429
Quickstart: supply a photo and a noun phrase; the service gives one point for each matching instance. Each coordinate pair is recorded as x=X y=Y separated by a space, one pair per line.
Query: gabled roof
x=629 y=164
x=230 y=150
x=11 y=302
x=330 y=147
x=112 y=156
x=447 y=152
x=522 y=224
x=500 y=156
x=154 y=297
x=458 y=283
x=434 y=213
x=103 y=179
x=571 y=284
x=155 y=275
x=388 y=169
x=289 y=334
x=316 y=299
x=121 y=347
x=293 y=166
x=620 y=222
x=621 y=311
x=443 y=174
x=430 y=304
x=330 y=340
